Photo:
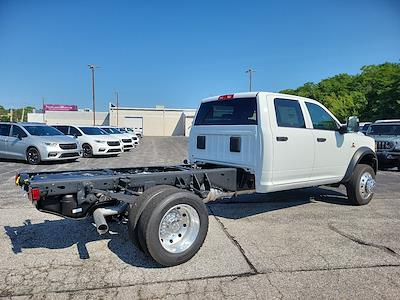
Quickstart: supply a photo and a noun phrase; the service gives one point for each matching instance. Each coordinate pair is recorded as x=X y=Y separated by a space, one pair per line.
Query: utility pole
x=250 y=71
x=43 y=111
x=23 y=113
x=92 y=68
x=117 y=94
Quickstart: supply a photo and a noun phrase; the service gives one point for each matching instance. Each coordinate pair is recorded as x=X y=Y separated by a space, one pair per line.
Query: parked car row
x=387 y=142
x=37 y=142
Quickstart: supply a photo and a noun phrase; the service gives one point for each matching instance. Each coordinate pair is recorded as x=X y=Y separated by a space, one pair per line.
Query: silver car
x=35 y=142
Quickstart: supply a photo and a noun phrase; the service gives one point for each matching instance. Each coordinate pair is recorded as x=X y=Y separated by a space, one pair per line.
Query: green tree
x=372 y=94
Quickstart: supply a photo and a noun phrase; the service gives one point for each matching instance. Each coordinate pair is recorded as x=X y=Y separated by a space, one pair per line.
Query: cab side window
x=320 y=118
x=5 y=129
x=74 y=131
x=17 y=131
x=288 y=113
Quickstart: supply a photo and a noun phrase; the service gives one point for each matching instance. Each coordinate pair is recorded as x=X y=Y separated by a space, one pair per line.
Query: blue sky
x=176 y=52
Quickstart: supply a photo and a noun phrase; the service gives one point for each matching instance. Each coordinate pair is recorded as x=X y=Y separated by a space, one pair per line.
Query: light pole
x=43 y=110
x=117 y=94
x=92 y=68
x=250 y=71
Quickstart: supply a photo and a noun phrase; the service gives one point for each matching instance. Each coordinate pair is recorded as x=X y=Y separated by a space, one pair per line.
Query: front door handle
x=282 y=138
x=321 y=140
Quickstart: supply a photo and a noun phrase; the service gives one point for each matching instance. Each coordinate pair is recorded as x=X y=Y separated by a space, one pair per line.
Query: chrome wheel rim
x=33 y=156
x=367 y=185
x=179 y=228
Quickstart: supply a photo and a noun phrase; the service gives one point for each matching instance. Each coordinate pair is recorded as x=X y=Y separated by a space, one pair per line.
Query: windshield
x=92 y=131
x=42 y=130
x=241 y=111
x=384 y=130
x=122 y=130
x=111 y=130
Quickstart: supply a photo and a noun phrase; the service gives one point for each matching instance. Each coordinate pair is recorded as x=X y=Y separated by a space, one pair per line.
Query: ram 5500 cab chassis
x=240 y=143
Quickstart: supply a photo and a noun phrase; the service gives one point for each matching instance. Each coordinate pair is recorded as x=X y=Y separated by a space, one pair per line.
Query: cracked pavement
x=306 y=243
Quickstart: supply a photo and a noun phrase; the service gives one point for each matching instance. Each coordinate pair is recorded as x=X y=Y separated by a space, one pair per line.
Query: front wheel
x=33 y=156
x=361 y=186
x=173 y=227
x=87 y=150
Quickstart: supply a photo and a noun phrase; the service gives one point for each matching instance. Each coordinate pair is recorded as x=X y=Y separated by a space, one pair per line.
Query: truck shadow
x=249 y=205
x=65 y=233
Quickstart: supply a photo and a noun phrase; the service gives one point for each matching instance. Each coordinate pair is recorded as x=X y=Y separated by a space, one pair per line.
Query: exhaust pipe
x=215 y=194
x=100 y=213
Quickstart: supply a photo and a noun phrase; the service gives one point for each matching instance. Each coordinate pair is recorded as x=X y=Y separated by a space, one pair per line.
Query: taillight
x=34 y=194
x=225 y=97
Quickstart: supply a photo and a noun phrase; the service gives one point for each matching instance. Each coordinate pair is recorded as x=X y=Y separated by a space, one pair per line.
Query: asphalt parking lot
x=300 y=244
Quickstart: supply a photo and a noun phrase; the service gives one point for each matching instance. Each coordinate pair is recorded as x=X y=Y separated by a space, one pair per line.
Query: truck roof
x=254 y=94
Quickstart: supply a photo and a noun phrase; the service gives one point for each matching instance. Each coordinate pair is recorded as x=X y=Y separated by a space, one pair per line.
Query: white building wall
x=69 y=117
x=155 y=121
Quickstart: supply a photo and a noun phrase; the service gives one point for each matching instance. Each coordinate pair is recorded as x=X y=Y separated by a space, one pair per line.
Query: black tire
x=33 y=156
x=356 y=185
x=136 y=210
x=87 y=151
x=150 y=221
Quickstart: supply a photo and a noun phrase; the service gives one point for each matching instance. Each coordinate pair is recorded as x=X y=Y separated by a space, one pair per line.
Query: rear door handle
x=321 y=140
x=282 y=138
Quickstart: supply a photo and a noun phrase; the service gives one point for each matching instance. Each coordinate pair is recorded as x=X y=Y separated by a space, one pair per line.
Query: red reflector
x=34 y=194
x=225 y=97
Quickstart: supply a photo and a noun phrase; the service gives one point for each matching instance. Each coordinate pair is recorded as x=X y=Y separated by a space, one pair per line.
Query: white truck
x=239 y=143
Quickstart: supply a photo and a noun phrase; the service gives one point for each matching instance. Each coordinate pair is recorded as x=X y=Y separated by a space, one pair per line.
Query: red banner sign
x=60 y=107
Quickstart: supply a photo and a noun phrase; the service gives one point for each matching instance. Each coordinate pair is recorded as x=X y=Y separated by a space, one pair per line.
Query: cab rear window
x=241 y=111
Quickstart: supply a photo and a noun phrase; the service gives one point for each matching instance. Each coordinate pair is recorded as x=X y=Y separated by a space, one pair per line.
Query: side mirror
x=353 y=124
x=18 y=136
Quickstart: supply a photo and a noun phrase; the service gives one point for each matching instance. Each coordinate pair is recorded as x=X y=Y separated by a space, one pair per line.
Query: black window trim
x=22 y=129
x=9 y=132
x=338 y=126
x=196 y=121
x=76 y=128
x=301 y=111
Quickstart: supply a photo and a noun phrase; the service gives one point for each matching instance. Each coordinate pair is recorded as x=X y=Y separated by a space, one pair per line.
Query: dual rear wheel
x=172 y=226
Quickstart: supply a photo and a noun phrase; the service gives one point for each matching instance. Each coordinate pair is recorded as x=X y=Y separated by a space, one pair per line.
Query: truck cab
x=283 y=141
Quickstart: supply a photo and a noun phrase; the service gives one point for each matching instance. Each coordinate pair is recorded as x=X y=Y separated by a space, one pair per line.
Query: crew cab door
x=293 y=144
x=332 y=149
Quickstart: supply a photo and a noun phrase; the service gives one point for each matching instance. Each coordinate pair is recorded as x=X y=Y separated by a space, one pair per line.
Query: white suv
x=135 y=137
x=94 y=141
x=125 y=139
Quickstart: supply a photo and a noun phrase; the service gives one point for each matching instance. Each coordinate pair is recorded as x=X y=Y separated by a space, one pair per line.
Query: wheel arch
x=363 y=155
